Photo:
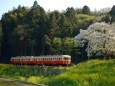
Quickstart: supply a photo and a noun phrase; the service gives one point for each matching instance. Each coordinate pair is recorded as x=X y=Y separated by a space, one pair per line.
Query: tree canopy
x=33 y=31
x=86 y=10
x=112 y=14
x=99 y=38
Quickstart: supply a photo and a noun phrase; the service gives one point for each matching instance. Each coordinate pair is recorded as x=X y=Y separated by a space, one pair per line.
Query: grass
x=89 y=73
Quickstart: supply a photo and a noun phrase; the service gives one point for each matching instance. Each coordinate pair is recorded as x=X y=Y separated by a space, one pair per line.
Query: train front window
x=67 y=58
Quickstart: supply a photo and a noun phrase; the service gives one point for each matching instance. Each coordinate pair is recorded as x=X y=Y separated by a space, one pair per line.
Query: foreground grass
x=90 y=73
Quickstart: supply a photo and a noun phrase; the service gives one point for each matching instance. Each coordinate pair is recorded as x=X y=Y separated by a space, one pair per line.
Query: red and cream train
x=46 y=60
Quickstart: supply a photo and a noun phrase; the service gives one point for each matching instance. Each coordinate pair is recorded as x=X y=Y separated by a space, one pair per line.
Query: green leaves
x=86 y=10
x=112 y=14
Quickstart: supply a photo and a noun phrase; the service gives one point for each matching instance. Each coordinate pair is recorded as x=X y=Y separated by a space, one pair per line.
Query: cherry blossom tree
x=100 y=39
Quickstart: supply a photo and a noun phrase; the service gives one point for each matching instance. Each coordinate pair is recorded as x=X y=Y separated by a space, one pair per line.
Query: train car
x=42 y=60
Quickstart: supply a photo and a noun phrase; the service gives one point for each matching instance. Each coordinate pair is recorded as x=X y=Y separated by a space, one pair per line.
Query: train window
x=66 y=58
x=36 y=59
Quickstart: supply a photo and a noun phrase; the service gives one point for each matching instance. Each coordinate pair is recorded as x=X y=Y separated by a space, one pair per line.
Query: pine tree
x=86 y=10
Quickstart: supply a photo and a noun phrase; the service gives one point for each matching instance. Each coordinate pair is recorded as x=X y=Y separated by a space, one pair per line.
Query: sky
x=7 y=5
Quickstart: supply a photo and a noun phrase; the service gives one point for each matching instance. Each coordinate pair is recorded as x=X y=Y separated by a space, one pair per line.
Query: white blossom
x=100 y=38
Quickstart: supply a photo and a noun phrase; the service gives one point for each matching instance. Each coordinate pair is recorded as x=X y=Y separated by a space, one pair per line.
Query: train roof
x=42 y=56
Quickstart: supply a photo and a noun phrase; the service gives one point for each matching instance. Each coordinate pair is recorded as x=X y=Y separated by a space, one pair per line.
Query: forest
x=31 y=31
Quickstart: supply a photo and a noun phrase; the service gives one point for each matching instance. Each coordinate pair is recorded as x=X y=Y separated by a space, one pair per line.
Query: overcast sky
x=6 y=5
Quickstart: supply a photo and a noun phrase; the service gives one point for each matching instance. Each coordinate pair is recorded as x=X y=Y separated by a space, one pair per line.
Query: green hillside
x=89 y=73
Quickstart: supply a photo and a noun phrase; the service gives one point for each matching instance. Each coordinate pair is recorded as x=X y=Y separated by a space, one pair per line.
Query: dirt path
x=15 y=82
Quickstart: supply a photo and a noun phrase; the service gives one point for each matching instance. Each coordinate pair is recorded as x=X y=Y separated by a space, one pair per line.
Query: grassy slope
x=90 y=73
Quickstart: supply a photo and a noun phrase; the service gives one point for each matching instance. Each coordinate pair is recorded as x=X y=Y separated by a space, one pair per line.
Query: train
x=42 y=60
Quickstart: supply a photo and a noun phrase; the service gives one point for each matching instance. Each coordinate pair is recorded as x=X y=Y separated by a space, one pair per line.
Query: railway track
x=16 y=82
